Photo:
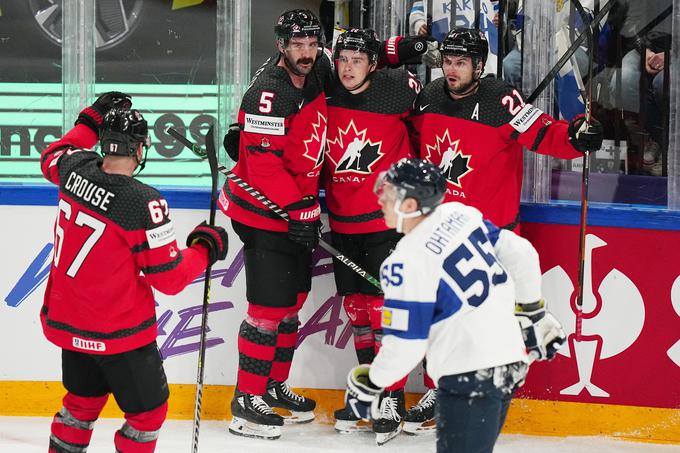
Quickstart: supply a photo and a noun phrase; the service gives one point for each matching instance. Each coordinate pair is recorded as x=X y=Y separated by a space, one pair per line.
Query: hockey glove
x=305 y=222
x=543 y=334
x=214 y=238
x=432 y=58
x=403 y=50
x=362 y=395
x=584 y=137
x=93 y=116
x=231 y=141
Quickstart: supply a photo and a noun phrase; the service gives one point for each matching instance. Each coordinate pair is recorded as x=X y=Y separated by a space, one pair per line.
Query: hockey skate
x=252 y=417
x=420 y=418
x=279 y=395
x=392 y=409
x=346 y=422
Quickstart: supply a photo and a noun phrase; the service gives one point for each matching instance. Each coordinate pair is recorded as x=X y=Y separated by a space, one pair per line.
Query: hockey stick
x=568 y=54
x=211 y=154
x=274 y=207
x=583 y=222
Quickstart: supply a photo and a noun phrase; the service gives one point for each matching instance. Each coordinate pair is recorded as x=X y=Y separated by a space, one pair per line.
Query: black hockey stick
x=211 y=154
x=274 y=207
x=568 y=54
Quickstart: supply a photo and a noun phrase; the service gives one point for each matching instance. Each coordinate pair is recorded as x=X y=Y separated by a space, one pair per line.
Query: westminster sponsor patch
x=271 y=125
x=525 y=118
x=160 y=236
x=395 y=318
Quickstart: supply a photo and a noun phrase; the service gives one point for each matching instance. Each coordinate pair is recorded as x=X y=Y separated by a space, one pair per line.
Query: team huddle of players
x=388 y=153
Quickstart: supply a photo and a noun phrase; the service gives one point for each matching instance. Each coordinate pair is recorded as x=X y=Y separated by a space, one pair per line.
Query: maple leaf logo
x=315 y=144
x=359 y=154
x=453 y=163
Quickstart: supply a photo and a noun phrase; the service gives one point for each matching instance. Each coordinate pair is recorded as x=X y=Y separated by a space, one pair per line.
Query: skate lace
x=285 y=389
x=259 y=404
x=427 y=401
x=388 y=409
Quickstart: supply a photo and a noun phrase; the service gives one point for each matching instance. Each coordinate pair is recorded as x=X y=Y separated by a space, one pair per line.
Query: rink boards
x=619 y=378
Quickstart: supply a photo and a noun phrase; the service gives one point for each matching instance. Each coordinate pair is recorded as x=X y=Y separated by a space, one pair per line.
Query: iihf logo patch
x=451 y=160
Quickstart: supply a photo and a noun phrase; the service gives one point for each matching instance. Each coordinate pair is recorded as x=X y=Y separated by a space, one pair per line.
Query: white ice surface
x=30 y=435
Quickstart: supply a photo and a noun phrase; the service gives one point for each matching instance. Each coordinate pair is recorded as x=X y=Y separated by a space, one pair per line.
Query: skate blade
x=383 y=438
x=294 y=417
x=417 y=429
x=349 y=426
x=242 y=427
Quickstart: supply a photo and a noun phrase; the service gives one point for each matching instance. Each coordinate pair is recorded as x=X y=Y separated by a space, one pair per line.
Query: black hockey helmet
x=418 y=179
x=361 y=40
x=466 y=42
x=297 y=23
x=122 y=131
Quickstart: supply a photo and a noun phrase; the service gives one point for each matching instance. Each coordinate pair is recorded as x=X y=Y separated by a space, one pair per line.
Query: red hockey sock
x=357 y=312
x=427 y=380
x=139 y=433
x=256 y=348
x=285 y=349
x=286 y=340
x=72 y=426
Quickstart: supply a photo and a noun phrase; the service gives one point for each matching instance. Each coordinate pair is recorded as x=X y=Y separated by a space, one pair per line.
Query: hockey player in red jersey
x=474 y=130
x=98 y=308
x=366 y=134
x=283 y=119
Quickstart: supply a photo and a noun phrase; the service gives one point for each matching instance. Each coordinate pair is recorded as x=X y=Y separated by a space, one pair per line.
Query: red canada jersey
x=366 y=134
x=110 y=228
x=477 y=142
x=283 y=131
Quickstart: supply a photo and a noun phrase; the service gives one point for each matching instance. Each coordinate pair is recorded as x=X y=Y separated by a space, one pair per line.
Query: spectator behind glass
x=440 y=25
x=644 y=30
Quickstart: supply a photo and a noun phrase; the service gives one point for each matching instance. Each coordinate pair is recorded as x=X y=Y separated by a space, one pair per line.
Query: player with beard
x=283 y=120
x=367 y=133
x=474 y=129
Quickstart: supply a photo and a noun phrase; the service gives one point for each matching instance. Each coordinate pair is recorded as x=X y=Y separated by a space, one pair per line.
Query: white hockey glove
x=432 y=58
x=362 y=395
x=543 y=334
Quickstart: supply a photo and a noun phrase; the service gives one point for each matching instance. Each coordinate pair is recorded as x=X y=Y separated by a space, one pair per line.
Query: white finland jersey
x=450 y=290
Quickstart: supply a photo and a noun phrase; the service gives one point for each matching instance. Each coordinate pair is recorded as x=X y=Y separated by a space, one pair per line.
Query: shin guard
x=139 y=433
x=72 y=426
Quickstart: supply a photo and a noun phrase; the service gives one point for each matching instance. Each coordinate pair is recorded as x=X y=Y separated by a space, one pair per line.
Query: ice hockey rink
x=30 y=434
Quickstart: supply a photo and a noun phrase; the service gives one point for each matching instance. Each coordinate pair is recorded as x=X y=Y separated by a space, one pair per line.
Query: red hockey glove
x=212 y=237
x=93 y=116
x=305 y=222
x=231 y=141
x=585 y=137
x=402 y=50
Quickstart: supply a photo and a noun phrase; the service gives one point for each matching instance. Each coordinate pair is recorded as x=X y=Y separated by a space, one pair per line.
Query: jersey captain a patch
x=358 y=153
x=454 y=163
